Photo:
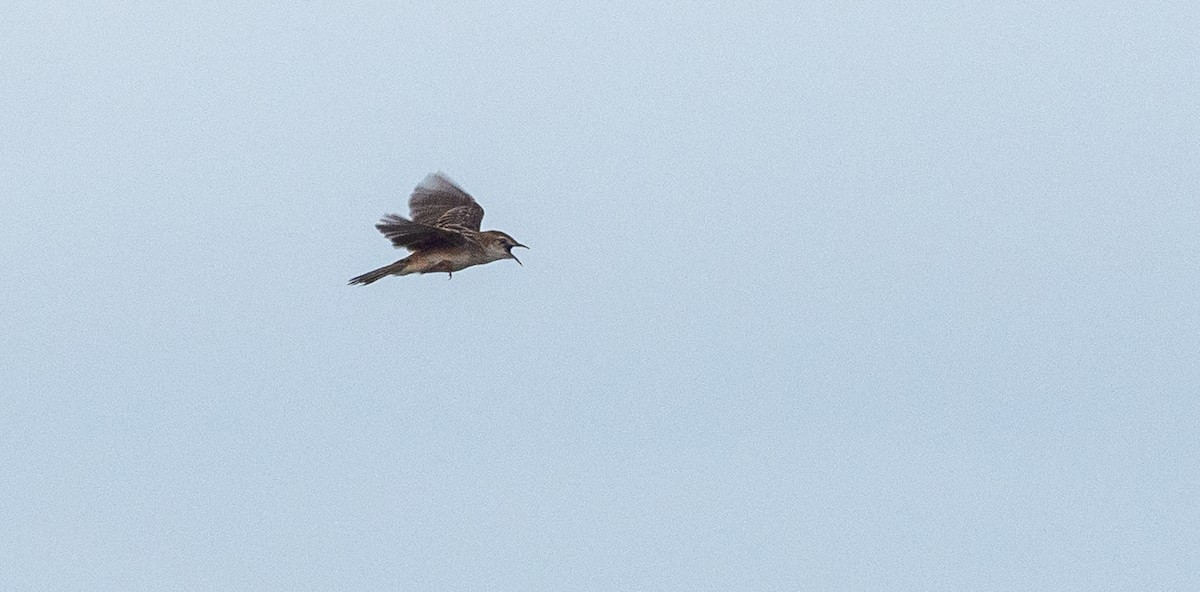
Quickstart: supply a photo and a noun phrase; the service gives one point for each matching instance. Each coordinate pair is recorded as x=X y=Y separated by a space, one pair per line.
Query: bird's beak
x=514 y=256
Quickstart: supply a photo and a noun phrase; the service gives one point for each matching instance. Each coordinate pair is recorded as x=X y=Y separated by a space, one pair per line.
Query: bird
x=443 y=234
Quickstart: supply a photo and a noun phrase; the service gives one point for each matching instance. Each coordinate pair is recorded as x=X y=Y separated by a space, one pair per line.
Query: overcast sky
x=820 y=296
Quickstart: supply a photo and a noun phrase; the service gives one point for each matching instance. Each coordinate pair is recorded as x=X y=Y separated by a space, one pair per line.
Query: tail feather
x=396 y=268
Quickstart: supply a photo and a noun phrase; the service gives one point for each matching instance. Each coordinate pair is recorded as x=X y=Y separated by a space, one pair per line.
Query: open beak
x=514 y=256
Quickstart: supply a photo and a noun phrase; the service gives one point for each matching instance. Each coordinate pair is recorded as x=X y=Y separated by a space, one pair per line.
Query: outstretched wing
x=439 y=202
x=413 y=236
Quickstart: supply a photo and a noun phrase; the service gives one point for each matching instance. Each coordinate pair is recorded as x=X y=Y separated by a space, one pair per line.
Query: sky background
x=820 y=296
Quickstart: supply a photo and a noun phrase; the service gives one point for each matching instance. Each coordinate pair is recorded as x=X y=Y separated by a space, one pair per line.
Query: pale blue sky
x=820 y=296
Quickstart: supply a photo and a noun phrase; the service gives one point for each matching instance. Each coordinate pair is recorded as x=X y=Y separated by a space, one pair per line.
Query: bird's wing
x=413 y=236
x=437 y=201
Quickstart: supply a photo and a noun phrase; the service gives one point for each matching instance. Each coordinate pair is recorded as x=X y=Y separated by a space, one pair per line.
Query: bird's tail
x=396 y=268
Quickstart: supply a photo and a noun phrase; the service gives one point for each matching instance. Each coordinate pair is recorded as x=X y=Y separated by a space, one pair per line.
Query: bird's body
x=443 y=234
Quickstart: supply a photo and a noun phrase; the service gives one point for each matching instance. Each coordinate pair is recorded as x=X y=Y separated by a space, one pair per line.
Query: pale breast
x=445 y=260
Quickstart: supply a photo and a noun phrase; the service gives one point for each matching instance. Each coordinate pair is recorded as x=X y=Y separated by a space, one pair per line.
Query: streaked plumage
x=443 y=233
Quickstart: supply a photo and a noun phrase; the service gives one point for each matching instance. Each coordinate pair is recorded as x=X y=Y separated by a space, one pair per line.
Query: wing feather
x=413 y=236
x=439 y=202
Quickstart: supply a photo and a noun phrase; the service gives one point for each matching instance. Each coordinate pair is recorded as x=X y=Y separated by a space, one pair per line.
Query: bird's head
x=499 y=245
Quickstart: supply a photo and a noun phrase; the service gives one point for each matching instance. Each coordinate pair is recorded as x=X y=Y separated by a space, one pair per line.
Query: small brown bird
x=443 y=234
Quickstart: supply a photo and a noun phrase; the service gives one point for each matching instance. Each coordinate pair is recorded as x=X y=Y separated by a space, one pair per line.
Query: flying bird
x=443 y=234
